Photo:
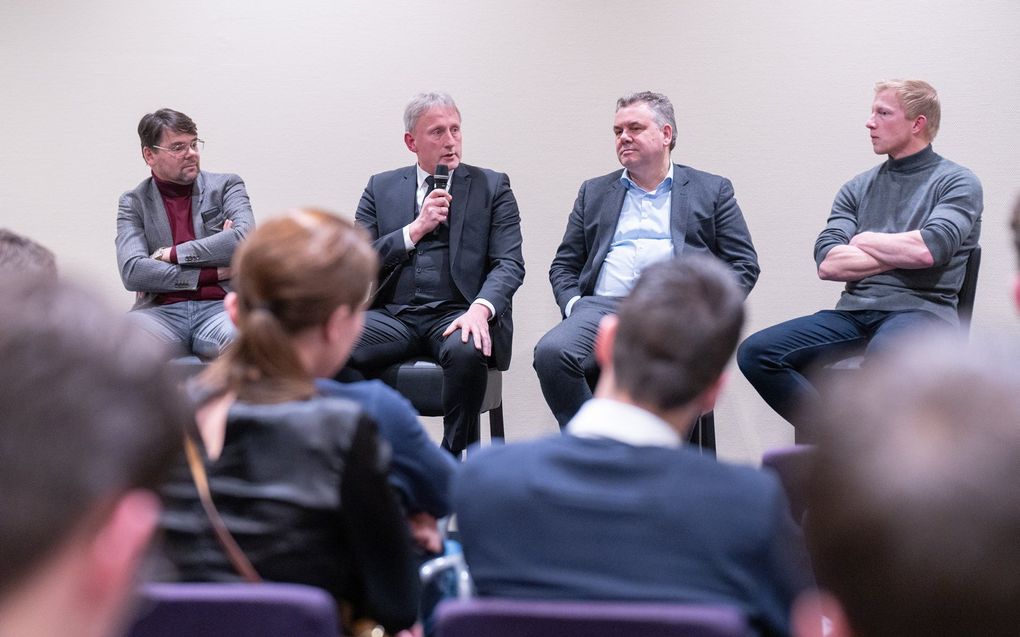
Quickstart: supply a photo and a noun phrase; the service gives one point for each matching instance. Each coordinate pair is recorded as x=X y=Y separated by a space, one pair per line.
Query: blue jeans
x=201 y=328
x=777 y=359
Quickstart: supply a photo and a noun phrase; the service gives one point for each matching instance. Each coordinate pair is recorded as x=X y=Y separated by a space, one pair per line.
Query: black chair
x=420 y=380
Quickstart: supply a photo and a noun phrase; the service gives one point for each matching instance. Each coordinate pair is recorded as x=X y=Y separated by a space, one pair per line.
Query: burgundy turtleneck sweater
x=177 y=201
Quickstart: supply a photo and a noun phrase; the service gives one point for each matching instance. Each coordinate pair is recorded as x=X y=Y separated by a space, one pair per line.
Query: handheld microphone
x=440 y=181
x=442 y=177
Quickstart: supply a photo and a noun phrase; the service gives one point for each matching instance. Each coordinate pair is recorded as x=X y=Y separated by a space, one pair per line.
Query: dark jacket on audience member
x=303 y=488
x=593 y=518
x=420 y=470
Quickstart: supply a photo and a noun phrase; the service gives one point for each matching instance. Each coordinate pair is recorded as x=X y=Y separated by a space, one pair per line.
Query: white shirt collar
x=668 y=179
x=422 y=175
x=604 y=418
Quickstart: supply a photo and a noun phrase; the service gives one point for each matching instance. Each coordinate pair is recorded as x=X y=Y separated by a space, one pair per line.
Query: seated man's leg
x=212 y=329
x=385 y=340
x=897 y=325
x=775 y=359
x=465 y=376
x=168 y=323
x=564 y=356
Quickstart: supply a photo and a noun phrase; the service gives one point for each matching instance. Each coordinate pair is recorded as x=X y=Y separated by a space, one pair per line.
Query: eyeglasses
x=180 y=148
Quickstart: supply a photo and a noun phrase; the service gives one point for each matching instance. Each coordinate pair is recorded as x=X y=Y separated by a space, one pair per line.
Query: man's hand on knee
x=473 y=324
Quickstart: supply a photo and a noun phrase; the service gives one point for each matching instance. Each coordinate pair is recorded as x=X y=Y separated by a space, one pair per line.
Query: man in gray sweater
x=899 y=235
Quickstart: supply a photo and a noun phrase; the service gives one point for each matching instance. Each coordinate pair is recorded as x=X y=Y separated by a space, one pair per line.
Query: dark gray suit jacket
x=485 y=237
x=143 y=226
x=705 y=218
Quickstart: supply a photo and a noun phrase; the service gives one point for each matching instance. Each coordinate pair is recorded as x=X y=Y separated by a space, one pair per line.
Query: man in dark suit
x=621 y=223
x=618 y=507
x=451 y=262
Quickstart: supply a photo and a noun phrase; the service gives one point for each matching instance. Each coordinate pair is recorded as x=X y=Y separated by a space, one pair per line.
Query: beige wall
x=304 y=100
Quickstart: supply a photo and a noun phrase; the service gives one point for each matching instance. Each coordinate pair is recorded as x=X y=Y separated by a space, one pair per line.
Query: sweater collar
x=910 y=163
x=171 y=190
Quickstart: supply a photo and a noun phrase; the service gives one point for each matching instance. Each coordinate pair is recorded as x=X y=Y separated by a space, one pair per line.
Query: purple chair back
x=793 y=466
x=492 y=617
x=234 y=610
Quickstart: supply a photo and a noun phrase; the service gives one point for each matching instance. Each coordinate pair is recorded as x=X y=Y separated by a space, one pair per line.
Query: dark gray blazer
x=143 y=226
x=485 y=237
x=705 y=218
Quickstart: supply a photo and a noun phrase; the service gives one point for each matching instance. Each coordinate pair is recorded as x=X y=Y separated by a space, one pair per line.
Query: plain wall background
x=304 y=100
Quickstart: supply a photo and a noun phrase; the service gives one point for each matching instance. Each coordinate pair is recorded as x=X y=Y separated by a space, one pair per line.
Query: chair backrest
x=493 y=617
x=792 y=465
x=227 y=610
x=965 y=301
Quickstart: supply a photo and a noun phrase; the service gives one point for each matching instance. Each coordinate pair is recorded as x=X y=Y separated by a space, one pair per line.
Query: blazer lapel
x=155 y=217
x=680 y=210
x=405 y=206
x=460 y=191
x=609 y=217
x=197 y=197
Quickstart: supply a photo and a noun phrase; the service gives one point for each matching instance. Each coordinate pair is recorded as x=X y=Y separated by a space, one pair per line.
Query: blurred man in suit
x=451 y=263
x=618 y=507
x=176 y=234
x=621 y=223
x=913 y=517
x=89 y=424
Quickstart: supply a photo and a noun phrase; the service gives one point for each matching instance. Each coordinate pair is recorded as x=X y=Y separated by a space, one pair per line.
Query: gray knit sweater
x=921 y=192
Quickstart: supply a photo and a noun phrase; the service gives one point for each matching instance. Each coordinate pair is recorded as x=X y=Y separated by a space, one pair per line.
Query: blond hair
x=917 y=98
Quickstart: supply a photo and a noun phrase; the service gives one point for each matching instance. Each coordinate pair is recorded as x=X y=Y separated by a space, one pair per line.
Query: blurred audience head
x=300 y=285
x=20 y=255
x=913 y=515
x=671 y=338
x=89 y=424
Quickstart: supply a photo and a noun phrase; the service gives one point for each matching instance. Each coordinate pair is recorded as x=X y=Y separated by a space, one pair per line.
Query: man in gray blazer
x=622 y=222
x=176 y=234
x=451 y=263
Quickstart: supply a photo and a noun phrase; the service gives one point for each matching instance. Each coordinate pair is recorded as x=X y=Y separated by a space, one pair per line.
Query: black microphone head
x=442 y=176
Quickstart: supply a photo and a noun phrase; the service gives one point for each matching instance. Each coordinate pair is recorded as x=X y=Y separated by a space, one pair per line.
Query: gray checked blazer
x=143 y=226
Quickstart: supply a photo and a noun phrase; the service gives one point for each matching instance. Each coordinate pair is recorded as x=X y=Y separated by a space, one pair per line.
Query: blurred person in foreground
x=300 y=478
x=21 y=256
x=913 y=517
x=89 y=424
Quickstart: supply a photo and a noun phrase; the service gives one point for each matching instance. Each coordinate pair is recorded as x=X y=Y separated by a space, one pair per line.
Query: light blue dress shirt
x=642 y=236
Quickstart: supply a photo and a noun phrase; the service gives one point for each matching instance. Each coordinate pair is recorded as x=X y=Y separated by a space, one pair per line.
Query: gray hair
x=423 y=102
x=662 y=109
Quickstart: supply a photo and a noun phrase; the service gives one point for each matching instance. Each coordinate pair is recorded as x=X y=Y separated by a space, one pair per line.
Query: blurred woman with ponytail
x=299 y=478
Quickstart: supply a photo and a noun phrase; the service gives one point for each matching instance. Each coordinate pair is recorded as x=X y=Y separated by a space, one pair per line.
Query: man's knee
x=557 y=349
x=461 y=356
x=213 y=336
x=751 y=352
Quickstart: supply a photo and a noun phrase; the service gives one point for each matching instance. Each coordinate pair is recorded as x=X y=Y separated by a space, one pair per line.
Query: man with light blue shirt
x=650 y=211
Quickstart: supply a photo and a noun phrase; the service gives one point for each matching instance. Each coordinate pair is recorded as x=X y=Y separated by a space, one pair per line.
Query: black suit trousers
x=388 y=339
